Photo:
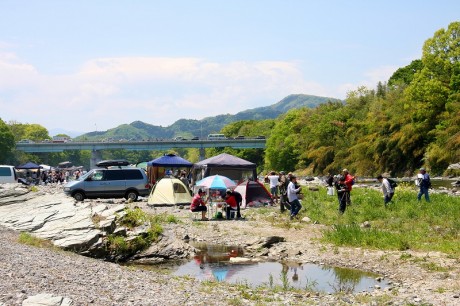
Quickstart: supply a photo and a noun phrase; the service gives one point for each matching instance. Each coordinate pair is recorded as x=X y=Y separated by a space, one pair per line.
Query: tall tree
x=6 y=142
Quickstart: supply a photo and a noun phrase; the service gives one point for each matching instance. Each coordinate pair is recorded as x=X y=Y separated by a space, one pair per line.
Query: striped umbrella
x=216 y=182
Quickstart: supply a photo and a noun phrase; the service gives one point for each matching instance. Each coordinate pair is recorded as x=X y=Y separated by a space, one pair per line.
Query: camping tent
x=252 y=192
x=169 y=191
x=227 y=165
x=157 y=167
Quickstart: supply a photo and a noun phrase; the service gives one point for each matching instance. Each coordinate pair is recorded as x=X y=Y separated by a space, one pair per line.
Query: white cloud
x=370 y=80
x=157 y=90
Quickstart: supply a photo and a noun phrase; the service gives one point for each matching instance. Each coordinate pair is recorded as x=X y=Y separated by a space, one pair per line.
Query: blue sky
x=86 y=65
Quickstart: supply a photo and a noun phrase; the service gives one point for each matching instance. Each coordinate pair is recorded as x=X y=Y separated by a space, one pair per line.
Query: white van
x=8 y=174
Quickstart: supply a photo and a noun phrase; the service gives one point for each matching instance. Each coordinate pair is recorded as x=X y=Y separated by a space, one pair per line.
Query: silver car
x=109 y=183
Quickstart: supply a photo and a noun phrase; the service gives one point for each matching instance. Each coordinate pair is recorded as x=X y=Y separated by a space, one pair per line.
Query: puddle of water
x=212 y=263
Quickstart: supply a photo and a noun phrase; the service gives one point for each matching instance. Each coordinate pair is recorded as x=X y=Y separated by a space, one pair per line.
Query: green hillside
x=189 y=127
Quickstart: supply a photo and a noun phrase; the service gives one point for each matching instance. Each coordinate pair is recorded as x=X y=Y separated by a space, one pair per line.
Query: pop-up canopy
x=156 y=168
x=233 y=167
x=29 y=165
x=170 y=161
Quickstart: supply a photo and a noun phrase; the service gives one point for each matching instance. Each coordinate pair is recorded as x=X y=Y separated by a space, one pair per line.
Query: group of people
x=232 y=199
x=285 y=190
x=289 y=191
x=423 y=181
x=51 y=177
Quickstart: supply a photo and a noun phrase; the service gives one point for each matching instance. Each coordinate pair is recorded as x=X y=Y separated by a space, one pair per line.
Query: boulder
x=455 y=166
x=46 y=299
x=168 y=247
x=271 y=240
x=240 y=260
x=14 y=193
x=55 y=217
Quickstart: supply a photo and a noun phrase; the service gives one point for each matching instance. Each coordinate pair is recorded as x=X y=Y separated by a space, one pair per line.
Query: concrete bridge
x=97 y=147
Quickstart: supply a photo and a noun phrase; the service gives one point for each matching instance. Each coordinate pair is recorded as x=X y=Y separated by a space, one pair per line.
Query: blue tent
x=170 y=161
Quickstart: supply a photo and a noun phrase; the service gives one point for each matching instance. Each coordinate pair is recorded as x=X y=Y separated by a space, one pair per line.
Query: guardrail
x=246 y=143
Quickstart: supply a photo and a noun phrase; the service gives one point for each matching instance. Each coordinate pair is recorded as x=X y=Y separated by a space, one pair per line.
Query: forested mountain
x=201 y=128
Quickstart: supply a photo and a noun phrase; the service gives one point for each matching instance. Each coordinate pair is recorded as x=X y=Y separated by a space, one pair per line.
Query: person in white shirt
x=388 y=192
x=273 y=179
x=292 y=196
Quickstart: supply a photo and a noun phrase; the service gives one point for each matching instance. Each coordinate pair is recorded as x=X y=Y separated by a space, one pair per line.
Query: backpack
x=393 y=183
x=428 y=183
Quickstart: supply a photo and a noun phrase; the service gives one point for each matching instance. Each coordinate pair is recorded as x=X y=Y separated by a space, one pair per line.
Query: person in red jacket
x=231 y=203
x=199 y=205
x=349 y=181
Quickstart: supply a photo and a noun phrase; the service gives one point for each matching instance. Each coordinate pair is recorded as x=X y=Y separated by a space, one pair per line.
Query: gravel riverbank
x=417 y=278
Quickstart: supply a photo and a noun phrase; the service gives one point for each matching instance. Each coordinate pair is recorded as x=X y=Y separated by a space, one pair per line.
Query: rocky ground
x=74 y=279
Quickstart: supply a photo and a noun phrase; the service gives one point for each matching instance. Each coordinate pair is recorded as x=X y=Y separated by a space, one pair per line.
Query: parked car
x=8 y=174
x=196 y=138
x=180 y=138
x=239 y=137
x=109 y=183
x=260 y=137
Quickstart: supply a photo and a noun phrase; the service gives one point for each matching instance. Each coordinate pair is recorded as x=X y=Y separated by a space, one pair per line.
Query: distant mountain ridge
x=201 y=128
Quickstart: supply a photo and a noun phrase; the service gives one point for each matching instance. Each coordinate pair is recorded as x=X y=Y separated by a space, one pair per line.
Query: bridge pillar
x=96 y=157
x=202 y=153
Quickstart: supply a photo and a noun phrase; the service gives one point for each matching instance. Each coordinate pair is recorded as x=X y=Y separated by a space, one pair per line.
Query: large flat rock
x=55 y=217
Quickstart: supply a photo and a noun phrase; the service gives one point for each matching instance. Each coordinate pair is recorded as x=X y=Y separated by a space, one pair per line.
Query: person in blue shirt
x=424 y=183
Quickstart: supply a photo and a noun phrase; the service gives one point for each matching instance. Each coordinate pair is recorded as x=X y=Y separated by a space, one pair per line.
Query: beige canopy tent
x=169 y=191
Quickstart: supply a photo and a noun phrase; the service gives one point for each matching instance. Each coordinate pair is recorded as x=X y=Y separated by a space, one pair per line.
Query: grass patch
x=27 y=238
x=354 y=235
x=404 y=224
x=432 y=267
x=133 y=217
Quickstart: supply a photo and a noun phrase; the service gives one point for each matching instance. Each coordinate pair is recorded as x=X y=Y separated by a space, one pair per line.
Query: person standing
x=388 y=191
x=283 y=182
x=330 y=184
x=239 y=200
x=292 y=196
x=183 y=179
x=342 y=192
x=349 y=181
x=424 y=183
x=330 y=180
x=273 y=179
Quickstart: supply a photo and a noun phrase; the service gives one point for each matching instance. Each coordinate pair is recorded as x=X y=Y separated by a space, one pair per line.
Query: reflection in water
x=211 y=263
x=346 y=279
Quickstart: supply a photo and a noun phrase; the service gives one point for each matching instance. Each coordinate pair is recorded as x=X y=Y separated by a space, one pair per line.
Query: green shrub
x=133 y=217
